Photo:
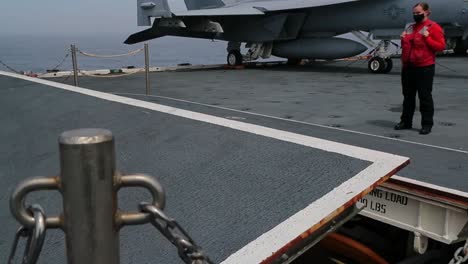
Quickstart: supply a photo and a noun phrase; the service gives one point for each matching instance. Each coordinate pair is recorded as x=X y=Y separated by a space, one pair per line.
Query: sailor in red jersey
x=420 y=42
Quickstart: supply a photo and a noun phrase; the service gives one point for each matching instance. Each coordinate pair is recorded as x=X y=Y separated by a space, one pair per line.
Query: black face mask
x=418 y=18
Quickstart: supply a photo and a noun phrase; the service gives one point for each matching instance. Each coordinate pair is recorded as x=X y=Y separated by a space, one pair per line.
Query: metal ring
x=21 y=232
x=147 y=182
x=36 y=240
x=18 y=197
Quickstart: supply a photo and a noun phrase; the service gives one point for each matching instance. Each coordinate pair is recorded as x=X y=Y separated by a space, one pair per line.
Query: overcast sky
x=58 y=17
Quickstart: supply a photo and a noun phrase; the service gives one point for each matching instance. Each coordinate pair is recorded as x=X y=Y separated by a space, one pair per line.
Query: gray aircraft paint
x=281 y=21
x=381 y=14
x=197 y=4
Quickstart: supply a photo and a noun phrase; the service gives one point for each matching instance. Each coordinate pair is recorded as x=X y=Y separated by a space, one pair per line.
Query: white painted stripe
x=280 y=235
x=276 y=238
x=326 y=145
x=431 y=186
x=307 y=123
x=403 y=179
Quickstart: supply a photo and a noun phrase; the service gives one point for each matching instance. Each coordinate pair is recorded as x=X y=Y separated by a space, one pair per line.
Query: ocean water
x=39 y=53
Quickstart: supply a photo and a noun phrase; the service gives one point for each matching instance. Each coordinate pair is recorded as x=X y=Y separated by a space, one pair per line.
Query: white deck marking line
x=304 y=123
x=431 y=186
x=275 y=239
x=423 y=184
x=428 y=185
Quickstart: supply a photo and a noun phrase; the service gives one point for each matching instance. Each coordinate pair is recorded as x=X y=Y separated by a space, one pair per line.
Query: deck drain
x=334 y=116
x=335 y=125
x=288 y=116
x=245 y=109
x=449 y=124
x=214 y=103
x=393 y=135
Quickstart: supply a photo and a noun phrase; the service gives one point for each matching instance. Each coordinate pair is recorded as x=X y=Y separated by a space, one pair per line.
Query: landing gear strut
x=256 y=50
x=381 y=61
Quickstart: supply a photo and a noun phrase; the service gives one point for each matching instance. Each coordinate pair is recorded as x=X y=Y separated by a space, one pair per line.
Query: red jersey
x=418 y=50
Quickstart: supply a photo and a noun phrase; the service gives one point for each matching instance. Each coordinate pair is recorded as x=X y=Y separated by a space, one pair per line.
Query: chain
x=56 y=66
x=53 y=69
x=461 y=255
x=189 y=252
x=8 y=67
x=35 y=238
x=108 y=75
x=63 y=60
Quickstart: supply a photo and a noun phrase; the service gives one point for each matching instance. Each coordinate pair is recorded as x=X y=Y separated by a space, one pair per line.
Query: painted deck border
x=299 y=226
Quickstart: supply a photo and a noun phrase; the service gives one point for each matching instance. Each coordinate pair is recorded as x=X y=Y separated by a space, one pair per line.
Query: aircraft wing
x=260 y=7
x=220 y=21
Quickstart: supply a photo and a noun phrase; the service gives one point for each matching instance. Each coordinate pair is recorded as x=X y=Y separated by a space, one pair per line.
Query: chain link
x=188 y=251
x=52 y=69
x=61 y=62
x=461 y=255
x=9 y=68
x=35 y=238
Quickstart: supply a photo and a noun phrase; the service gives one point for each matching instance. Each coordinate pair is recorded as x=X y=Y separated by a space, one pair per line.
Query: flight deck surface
x=339 y=101
x=244 y=191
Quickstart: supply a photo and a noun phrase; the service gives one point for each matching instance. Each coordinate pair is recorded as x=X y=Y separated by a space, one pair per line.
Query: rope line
x=109 y=56
x=109 y=75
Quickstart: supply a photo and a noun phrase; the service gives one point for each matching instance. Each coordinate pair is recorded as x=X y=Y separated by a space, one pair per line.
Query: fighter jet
x=298 y=29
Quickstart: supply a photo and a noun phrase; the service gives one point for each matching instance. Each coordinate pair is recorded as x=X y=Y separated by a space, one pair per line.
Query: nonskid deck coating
x=205 y=168
x=339 y=101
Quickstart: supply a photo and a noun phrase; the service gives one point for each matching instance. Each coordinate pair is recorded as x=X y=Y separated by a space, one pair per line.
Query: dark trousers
x=418 y=80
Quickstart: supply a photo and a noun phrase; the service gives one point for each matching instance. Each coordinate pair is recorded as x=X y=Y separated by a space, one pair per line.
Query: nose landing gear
x=380 y=65
x=234 y=58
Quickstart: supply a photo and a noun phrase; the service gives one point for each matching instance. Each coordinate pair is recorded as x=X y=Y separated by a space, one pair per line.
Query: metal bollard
x=75 y=65
x=87 y=161
x=89 y=184
x=148 y=85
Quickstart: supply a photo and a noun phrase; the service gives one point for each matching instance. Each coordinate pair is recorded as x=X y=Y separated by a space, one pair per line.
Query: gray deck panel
x=220 y=182
x=331 y=94
x=445 y=168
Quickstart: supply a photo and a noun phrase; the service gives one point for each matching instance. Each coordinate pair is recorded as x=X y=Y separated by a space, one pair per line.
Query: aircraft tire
x=376 y=65
x=460 y=48
x=388 y=65
x=293 y=61
x=234 y=58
